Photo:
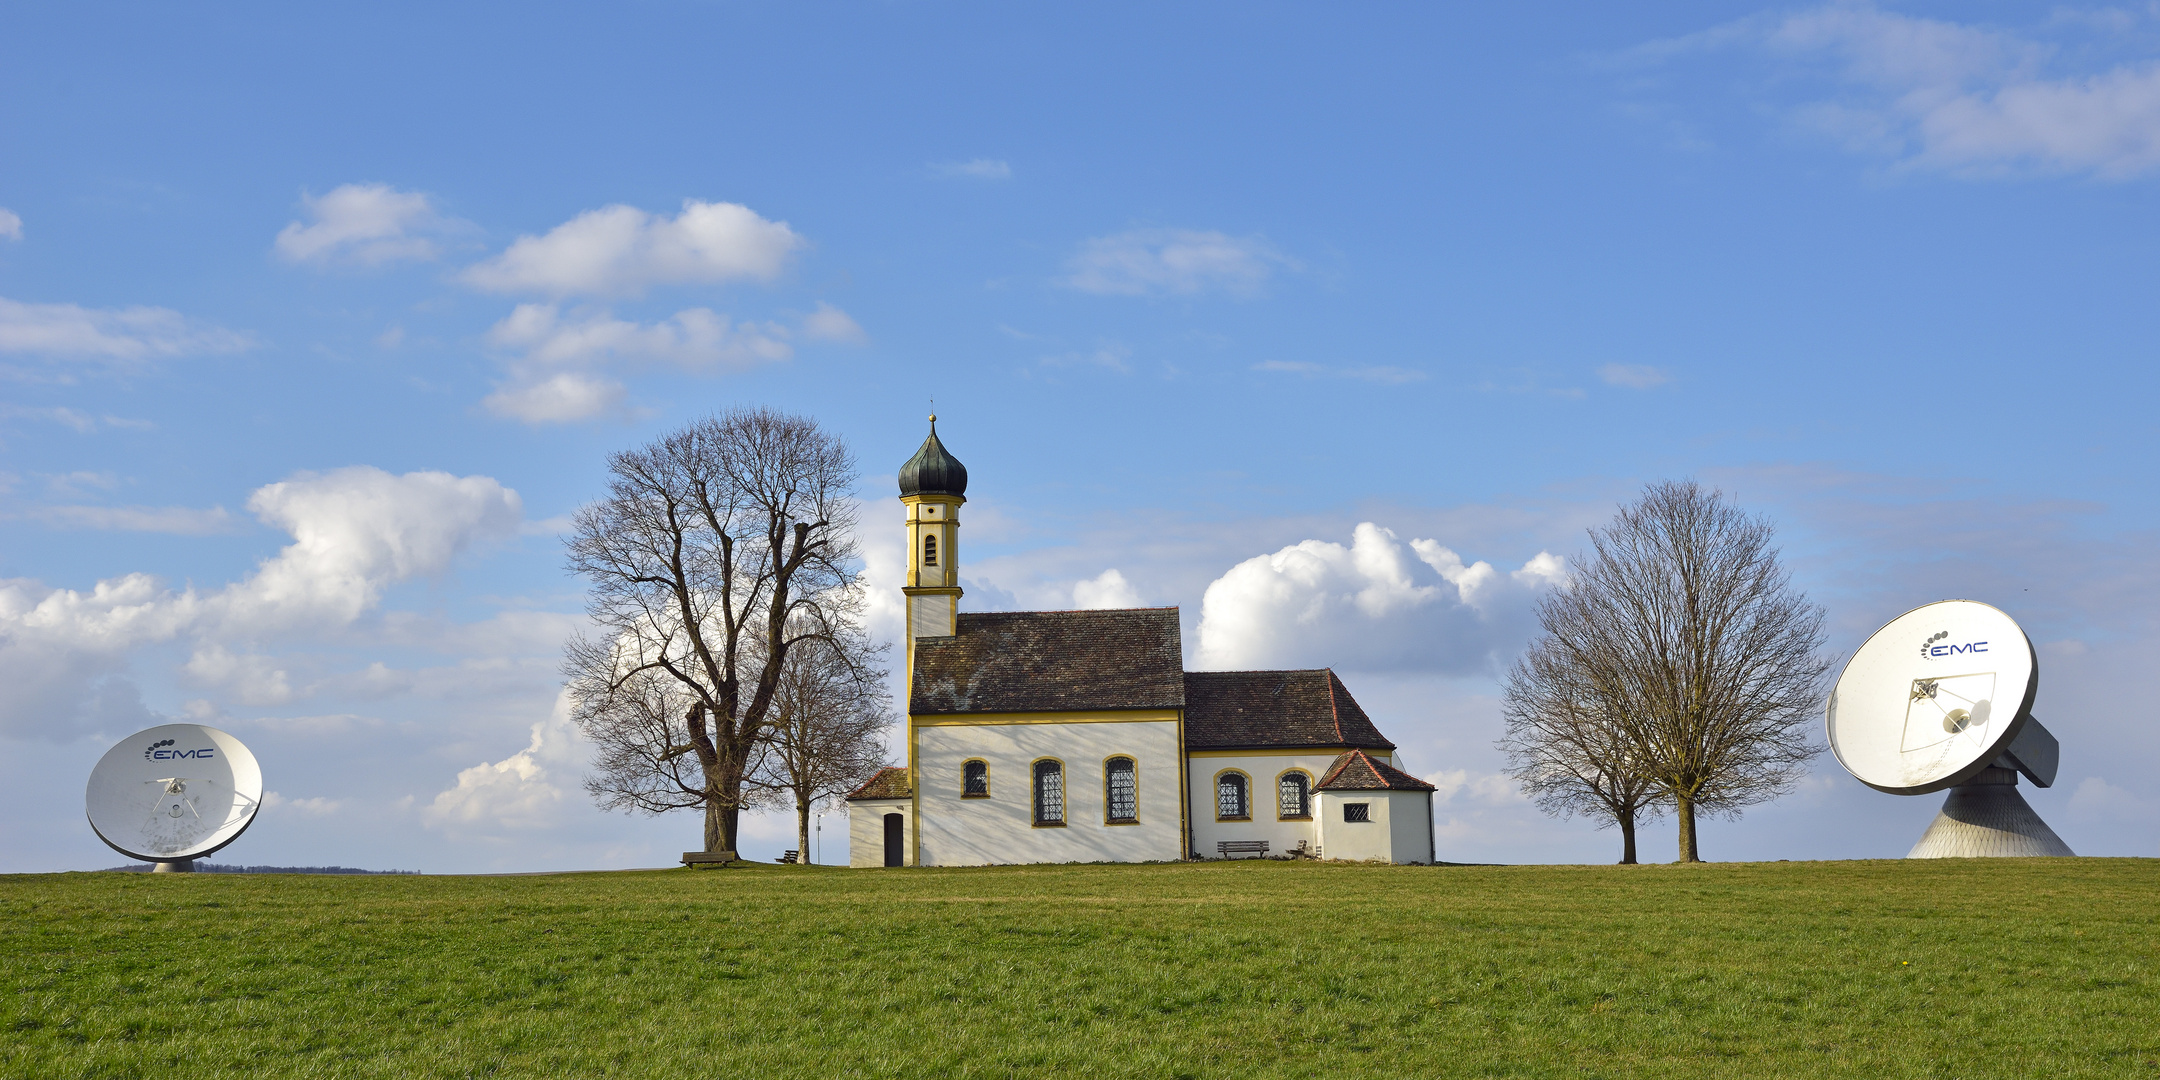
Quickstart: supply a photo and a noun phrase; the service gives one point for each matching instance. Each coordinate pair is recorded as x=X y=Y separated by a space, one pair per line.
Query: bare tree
x=1686 y=641
x=717 y=550
x=827 y=726
x=1566 y=753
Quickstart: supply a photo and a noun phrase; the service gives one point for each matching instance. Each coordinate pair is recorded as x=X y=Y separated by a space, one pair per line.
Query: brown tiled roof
x=1047 y=661
x=891 y=782
x=1356 y=770
x=1233 y=710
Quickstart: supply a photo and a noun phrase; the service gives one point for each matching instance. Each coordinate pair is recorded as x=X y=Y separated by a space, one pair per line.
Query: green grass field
x=1876 y=969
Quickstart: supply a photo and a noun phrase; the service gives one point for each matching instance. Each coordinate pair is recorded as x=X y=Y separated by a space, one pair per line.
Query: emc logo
x=1933 y=651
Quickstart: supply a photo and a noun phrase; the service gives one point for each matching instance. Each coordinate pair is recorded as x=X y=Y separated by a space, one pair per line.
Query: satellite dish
x=174 y=793
x=1942 y=698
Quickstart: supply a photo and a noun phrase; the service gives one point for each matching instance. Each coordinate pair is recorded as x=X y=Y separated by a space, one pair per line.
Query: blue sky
x=315 y=323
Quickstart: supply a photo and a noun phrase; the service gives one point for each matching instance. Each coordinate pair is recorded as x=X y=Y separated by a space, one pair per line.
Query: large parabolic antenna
x=1942 y=698
x=172 y=794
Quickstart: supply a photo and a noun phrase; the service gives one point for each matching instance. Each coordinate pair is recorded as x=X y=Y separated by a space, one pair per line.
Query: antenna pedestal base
x=177 y=866
x=1987 y=818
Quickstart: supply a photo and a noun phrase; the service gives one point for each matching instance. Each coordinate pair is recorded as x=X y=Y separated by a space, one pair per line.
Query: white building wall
x=1263 y=768
x=959 y=831
x=866 y=830
x=1399 y=829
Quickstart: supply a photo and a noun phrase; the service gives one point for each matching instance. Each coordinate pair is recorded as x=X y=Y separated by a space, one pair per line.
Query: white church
x=1078 y=736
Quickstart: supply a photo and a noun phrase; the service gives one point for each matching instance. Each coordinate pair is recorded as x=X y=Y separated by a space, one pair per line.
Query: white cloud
x=1378 y=604
x=553 y=355
x=558 y=399
x=10 y=224
x=1959 y=98
x=1634 y=376
x=1108 y=589
x=977 y=169
x=520 y=793
x=2098 y=799
x=694 y=339
x=67 y=331
x=829 y=323
x=622 y=250
x=175 y=520
x=63 y=652
x=1393 y=376
x=366 y=225
x=1483 y=789
x=1180 y=262
x=315 y=807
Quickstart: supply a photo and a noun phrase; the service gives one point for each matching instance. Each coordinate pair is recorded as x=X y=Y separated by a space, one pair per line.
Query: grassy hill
x=1875 y=969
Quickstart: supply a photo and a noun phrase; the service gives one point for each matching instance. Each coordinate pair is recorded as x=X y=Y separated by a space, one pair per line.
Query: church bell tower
x=933 y=484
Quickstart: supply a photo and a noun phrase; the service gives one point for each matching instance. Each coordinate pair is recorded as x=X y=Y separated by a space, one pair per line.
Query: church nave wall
x=960 y=830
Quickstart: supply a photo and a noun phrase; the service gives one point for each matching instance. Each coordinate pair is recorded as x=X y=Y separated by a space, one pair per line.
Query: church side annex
x=1078 y=736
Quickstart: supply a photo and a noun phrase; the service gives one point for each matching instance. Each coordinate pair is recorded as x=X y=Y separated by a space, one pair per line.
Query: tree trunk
x=802 y=831
x=1627 y=837
x=712 y=823
x=1686 y=812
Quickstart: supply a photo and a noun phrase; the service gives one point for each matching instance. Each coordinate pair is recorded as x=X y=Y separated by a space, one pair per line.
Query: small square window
x=1356 y=811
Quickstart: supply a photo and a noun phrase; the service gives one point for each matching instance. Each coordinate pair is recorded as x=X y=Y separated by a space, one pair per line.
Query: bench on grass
x=1233 y=848
x=695 y=859
x=788 y=857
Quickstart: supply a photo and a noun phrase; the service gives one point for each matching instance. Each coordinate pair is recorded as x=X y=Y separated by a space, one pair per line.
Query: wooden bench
x=1230 y=848
x=695 y=859
x=788 y=857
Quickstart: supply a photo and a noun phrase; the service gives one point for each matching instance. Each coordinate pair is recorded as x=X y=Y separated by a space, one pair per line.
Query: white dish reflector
x=174 y=792
x=1933 y=698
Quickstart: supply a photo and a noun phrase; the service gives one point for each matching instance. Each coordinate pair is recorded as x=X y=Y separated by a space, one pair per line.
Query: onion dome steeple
x=933 y=470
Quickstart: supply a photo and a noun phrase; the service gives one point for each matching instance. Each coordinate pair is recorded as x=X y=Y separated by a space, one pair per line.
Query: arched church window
x=975 y=780
x=1293 y=794
x=929 y=550
x=1118 y=790
x=1049 y=793
x=1230 y=796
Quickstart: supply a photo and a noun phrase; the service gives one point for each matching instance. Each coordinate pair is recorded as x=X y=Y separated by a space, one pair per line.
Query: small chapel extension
x=1077 y=736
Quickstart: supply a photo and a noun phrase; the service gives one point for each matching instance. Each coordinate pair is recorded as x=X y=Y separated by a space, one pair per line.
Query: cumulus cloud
x=622 y=251
x=10 y=224
x=521 y=793
x=64 y=652
x=1108 y=589
x=116 y=335
x=1634 y=376
x=558 y=399
x=1175 y=262
x=829 y=323
x=977 y=169
x=1378 y=604
x=553 y=355
x=365 y=225
x=694 y=339
x=1958 y=97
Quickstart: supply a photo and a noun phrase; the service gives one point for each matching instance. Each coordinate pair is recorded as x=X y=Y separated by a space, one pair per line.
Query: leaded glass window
x=975 y=780
x=1291 y=791
x=1230 y=796
x=1049 y=793
x=1118 y=790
